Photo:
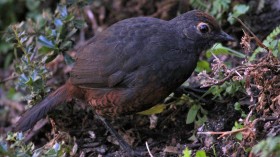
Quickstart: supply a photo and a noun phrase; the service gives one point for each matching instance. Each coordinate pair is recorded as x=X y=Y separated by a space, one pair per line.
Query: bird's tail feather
x=37 y=112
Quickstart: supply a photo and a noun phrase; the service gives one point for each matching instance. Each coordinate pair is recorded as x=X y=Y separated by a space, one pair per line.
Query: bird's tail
x=37 y=112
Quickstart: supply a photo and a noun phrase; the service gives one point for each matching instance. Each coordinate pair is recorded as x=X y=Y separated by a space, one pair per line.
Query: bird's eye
x=203 y=27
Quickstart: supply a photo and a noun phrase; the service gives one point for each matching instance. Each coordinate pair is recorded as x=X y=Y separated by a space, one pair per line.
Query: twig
x=237 y=71
x=238 y=74
x=147 y=146
x=12 y=77
x=35 y=130
x=92 y=19
x=258 y=41
x=248 y=117
x=223 y=133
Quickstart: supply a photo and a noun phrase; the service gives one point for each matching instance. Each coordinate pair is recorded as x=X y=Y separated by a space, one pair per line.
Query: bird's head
x=200 y=28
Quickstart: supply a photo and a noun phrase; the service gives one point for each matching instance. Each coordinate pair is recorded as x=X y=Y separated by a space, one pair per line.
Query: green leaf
x=13 y=95
x=237 y=106
x=5 y=47
x=45 y=42
x=154 y=110
x=69 y=18
x=62 y=11
x=187 y=152
x=32 y=4
x=202 y=65
x=268 y=147
x=68 y=59
x=238 y=10
x=3 y=147
x=271 y=42
x=219 y=49
x=23 y=79
x=229 y=89
x=201 y=120
x=11 y=136
x=51 y=152
x=237 y=126
x=35 y=76
x=51 y=57
x=239 y=136
x=66 y=45
x=29 y=82
x=192 y=114
x=71 y=33
x=44 y=50
x=79 y=24
x=200 y=153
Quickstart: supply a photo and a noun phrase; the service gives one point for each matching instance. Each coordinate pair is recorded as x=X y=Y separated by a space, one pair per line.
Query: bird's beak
x=223 y=36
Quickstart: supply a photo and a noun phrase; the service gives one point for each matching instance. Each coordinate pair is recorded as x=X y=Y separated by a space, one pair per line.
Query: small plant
x=40 y=41
x=255 y=81
x=18 y=147
x=237 y=126
x=272 y=42
x=227 y=89
x=14 y=145
x=269 y=147
x=196 y=114
x=13 y=11
x=188 y=153
x=219 y=8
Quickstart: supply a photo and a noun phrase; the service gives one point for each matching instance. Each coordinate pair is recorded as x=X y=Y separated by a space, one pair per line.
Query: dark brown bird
x=133 y=65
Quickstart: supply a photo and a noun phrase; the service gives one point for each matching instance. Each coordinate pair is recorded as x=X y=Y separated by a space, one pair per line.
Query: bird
x=133 y=65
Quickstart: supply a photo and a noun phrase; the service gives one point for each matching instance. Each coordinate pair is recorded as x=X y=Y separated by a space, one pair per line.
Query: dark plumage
x=133 y=65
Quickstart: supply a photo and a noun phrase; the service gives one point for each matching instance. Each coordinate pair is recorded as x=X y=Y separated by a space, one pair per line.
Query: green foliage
x=227 y=89
x=40 y=41
x=30 y=69
x=14 y=145
x=12 y=94
x=215 y=7
x=202 y=65
x=269 y=147
x=272 y=42
x=238 y=10
x=12 y=11
x=200 y=153
x=153 y=110
x=219 y=7
x=188 y=153
x=237 y=126
x=237 y=107
x=17 y=148
x=199 y=4
x=217 y=49
x=196 y=114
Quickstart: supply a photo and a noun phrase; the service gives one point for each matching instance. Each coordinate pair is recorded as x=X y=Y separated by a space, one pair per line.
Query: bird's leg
x=123 y=144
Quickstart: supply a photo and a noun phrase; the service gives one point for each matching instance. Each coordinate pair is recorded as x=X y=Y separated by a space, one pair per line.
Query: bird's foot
x=123 y=144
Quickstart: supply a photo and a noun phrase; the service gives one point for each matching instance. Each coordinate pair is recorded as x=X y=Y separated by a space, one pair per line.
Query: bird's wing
x=107 y=59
